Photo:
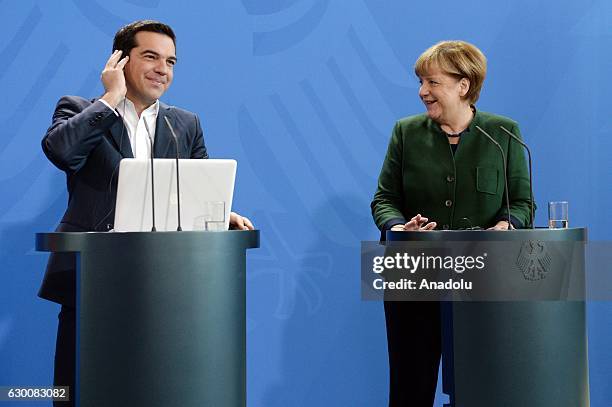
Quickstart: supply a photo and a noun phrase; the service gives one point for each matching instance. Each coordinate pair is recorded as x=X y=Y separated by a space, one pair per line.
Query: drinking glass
x=213 y=218
x=558 y=215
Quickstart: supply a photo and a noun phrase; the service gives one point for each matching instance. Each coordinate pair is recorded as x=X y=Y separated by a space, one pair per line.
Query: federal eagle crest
x=533 y=260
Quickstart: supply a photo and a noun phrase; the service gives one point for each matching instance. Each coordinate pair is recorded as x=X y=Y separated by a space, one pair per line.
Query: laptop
x=206 y=186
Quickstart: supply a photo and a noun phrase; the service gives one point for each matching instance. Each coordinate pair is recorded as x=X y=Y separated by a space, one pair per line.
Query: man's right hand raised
x=113 y=79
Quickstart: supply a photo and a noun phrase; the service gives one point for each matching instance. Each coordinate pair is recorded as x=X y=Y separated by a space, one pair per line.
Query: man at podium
x=87 y=140
x=442 y=171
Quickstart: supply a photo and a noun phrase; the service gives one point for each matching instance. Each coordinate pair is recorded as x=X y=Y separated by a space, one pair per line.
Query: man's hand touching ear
x=113 y=79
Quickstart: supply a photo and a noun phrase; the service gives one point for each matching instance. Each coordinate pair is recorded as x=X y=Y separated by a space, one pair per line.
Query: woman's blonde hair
x=457 y=58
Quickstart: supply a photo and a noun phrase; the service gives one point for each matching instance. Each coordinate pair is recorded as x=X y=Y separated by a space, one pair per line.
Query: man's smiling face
x=149 y=72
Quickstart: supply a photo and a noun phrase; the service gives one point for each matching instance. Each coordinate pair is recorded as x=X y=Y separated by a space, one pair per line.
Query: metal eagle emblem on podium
x=533 y=260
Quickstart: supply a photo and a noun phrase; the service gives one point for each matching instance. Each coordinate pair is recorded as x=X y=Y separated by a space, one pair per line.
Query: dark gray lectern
x=517 y=353
x=161 y=316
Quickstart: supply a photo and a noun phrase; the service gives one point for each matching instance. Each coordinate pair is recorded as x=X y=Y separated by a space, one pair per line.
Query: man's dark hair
x=125 y=39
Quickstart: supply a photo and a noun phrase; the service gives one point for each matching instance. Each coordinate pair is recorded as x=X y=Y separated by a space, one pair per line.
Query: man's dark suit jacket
x=87 y=140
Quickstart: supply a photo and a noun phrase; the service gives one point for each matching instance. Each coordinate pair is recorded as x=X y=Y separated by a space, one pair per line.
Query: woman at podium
x=442 y=171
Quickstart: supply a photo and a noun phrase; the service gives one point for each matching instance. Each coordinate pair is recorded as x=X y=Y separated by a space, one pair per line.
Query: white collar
x=126 y=106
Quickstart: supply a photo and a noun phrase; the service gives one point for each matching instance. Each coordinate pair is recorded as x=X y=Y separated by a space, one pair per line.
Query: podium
x=517 y=353
x=161 y=316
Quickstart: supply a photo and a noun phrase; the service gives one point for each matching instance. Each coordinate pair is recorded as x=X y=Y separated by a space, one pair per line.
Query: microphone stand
x=501 y=150
x=518 y=140
x=178 y=185
x=153 y=229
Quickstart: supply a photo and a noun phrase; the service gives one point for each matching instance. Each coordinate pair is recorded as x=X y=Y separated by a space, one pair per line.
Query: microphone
x=153 y=229
x=178 y=185
x=518 y=140
x=501 y=150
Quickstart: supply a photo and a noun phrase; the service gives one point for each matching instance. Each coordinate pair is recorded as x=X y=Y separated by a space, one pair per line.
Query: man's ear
x=123 y=53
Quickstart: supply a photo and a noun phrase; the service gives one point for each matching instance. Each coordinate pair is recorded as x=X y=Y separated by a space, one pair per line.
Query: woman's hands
x=501 y=225
x=416 y=223
x=420 y=223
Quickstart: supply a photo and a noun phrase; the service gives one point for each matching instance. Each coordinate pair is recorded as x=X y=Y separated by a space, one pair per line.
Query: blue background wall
x=303 y=93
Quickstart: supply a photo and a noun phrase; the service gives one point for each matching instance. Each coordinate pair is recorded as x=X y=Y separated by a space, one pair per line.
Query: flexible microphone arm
x=153 y=229
x=518 y=140
x=178 y=185
x=501 y=150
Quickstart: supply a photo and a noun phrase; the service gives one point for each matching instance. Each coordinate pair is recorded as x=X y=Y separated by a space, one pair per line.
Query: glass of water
x=213 y=218
x=558 y=215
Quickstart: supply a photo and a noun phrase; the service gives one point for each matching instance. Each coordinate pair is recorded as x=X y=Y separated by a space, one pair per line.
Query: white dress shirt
x=137 y=132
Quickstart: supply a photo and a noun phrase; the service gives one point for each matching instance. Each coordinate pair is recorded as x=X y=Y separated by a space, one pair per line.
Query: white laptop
x=206 y=186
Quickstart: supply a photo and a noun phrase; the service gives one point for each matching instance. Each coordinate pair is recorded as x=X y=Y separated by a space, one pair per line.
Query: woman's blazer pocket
x=487 y=180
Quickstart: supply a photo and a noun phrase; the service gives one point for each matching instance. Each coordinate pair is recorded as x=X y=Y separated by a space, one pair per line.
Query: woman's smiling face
x=442 y=94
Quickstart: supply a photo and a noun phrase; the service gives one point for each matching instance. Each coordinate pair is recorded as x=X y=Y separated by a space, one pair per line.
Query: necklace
x=457 y=135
